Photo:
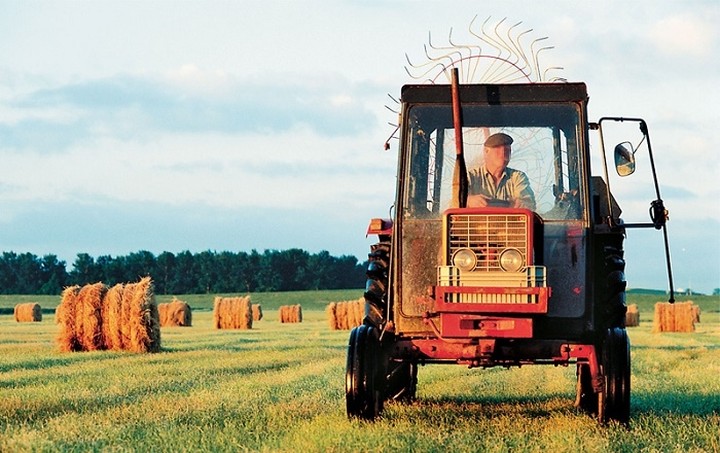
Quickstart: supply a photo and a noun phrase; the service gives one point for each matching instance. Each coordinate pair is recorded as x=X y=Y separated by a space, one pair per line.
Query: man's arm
x=524 y=195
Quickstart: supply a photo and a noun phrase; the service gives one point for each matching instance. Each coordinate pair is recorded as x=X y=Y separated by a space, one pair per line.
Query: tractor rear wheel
x=363 y=375
x=614 y=401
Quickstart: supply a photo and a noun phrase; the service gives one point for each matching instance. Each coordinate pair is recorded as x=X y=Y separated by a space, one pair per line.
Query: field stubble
x=279 y=387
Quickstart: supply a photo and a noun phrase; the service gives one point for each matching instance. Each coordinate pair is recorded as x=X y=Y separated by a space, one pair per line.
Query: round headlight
x=464 y=259
x=511 y=260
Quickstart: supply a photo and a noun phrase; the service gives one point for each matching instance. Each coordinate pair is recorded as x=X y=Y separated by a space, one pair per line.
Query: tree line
x=185 y=272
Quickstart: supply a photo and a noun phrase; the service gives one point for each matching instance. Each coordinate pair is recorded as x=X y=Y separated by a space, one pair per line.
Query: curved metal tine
x=513 y=56
x=554 y=79
x=471 y=60
x=519 y=53
x=424 y=74
x=447 y=53
x=534 y=53
x=484 y=77
x=492 y=70
x=394 y=111
x=429 y=66
x=394 y=100
x=537 y=56
x=521 y=50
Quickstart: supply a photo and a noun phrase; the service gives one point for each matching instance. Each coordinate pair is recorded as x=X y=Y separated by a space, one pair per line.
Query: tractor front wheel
x=614 y=401
x=363 y=374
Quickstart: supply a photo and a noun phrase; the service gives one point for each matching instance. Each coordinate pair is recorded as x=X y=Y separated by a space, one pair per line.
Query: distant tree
x=716 y=292
x=185 y=273
x=53 y=275
x=85 y=270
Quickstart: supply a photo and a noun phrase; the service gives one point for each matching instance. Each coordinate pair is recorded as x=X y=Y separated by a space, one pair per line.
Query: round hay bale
x=144 y=318
x=113 y=317
x=257 y=313
x=290 y=313
x=88 y=316
x=233 y=313
x=677 y=317
x=330 y=314
x=175 y=314
x=341 y=315
x=217 y=315
x=28 y=312
x=358 y=311
x=632 y=316
x=67 y=338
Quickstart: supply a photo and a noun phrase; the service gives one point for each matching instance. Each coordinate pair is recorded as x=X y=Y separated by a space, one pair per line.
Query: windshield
x=544 y=150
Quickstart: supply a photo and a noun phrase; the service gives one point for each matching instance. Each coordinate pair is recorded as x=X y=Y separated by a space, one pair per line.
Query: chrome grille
x=487 y=235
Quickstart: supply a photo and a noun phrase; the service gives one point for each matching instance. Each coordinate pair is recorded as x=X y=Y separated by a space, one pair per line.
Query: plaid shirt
x=513 y=185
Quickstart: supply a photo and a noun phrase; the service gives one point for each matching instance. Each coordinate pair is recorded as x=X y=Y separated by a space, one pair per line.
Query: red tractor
x=500 y=284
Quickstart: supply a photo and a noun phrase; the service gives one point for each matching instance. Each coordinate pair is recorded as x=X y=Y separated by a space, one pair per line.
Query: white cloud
x=683 y=35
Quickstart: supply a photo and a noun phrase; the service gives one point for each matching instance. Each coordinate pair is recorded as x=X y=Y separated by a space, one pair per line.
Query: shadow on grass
x=674 y=402
x=489 y=407
x=546 y=406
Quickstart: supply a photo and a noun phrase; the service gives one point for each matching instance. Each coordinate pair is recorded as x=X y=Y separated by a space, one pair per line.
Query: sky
x=241 y=125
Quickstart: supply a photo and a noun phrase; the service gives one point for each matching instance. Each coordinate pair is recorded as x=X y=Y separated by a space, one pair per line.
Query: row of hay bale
x=175 y=313
x=346 y=314
x=677 y=317
x=95 y=317
x=233 y=313
x=28 y=312
x=290 y=313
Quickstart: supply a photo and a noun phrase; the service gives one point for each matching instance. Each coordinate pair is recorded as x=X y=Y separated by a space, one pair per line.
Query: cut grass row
x=279 y=387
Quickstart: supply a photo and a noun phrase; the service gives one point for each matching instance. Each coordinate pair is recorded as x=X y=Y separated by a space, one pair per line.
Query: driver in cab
x=494 y=184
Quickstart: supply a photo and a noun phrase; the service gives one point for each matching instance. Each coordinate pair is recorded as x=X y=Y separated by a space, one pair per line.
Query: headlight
x=464 y=259
x=511 y=260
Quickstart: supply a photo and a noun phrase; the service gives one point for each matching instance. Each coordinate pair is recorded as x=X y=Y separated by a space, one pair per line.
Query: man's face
x=497 y=156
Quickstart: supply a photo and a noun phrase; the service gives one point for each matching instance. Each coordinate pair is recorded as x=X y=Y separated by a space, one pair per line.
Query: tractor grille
x=487 y=235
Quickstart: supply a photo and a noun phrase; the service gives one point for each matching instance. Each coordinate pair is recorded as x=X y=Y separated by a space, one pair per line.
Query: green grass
x=279 y=387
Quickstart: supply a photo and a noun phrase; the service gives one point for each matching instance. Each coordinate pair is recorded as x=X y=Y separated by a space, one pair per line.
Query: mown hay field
x=279 y=387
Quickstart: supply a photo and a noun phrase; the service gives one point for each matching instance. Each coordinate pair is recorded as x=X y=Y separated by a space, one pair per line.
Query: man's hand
x=477 y=201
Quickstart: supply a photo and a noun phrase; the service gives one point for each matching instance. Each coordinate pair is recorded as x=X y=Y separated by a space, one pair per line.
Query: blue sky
x=239 y=125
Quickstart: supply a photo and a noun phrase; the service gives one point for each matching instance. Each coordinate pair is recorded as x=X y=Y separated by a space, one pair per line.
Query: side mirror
x=624 y=159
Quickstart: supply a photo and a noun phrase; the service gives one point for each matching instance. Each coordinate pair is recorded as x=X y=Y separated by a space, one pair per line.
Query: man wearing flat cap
x=494 y=184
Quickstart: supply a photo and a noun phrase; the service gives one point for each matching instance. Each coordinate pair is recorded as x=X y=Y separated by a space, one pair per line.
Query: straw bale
x=175 y=313
x=331 y=315
x=143 y=317
x=632 y=316
x=359 y=312
x=28 y=312
x=696 y=313
x=677 y=317
x=290 y=313
x=113 y=317
x=67 y=338
x=346 y=314
x=232 y=313
x=257 y=313
x=88 y=316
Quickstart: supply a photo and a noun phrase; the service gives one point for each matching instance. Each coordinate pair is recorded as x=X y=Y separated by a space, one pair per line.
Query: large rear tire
x=364 y=391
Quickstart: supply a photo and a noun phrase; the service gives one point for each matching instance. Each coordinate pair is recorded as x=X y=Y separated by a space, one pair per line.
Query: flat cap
x=498 y=139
